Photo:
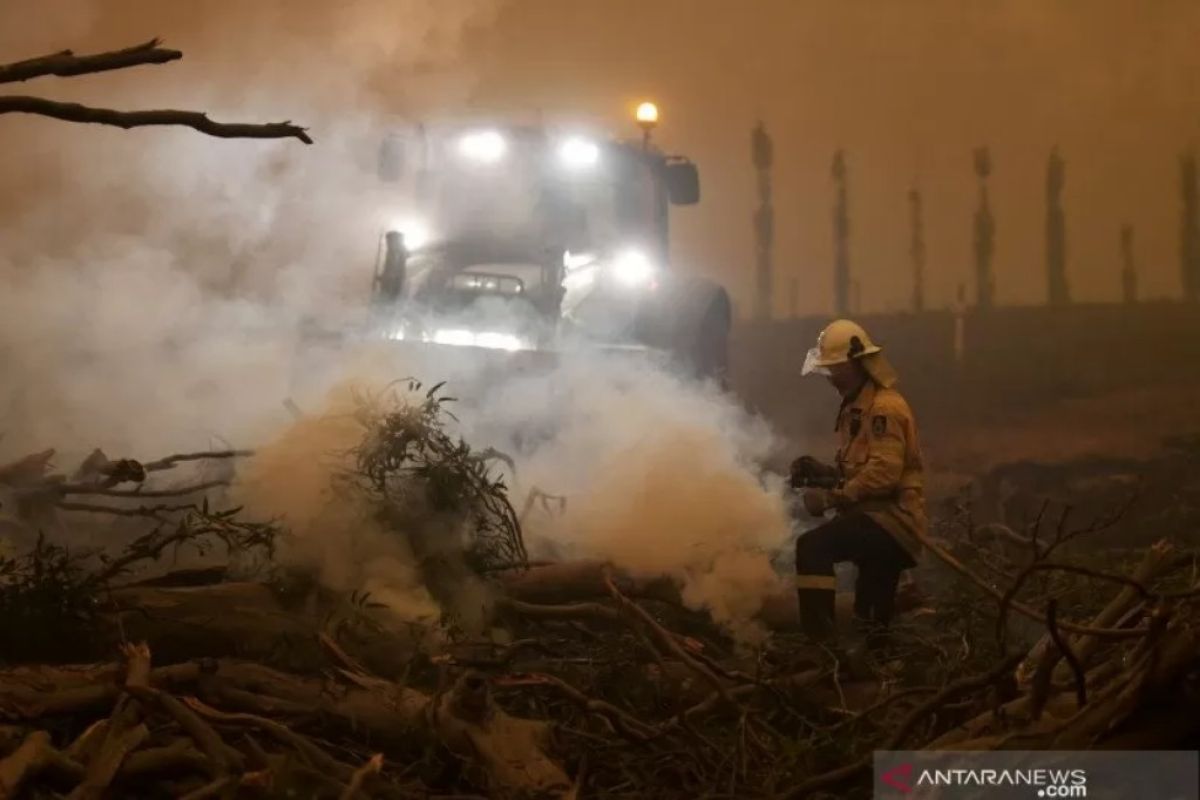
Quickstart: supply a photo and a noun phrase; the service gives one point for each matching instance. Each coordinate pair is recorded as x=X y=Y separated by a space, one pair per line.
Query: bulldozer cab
x=558 y=191
x=526 y=237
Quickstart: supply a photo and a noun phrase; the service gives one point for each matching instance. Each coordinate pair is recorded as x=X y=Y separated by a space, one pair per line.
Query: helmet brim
x=813 y=364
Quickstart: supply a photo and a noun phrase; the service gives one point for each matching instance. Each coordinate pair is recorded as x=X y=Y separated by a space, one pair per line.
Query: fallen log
x=1045 y=656
x=241 y=620
x=507 y=752
x=581 y=580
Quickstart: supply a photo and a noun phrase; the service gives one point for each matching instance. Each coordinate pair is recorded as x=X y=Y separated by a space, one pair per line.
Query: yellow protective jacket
x=882 y=472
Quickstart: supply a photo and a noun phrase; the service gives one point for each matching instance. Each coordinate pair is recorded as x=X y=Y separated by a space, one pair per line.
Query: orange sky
x=907 y=88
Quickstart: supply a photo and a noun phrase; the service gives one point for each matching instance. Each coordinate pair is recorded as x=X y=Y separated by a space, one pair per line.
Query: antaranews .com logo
x=1037 y=775
x=1052 y=783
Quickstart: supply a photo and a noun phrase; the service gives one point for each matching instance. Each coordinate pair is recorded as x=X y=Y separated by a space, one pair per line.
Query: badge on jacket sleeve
x=879 y=425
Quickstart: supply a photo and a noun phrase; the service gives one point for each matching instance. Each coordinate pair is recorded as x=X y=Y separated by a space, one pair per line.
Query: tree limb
x=312 y=752
x=34 y=755
x=74 y=112
x=1153 y=564
x=150 y=512
x=624 y=722
x=666 y=639
x=139 y=492
x=1069 y=654
x=949 y=692
x=212 y=789
x=172 y=460
x=372 y=767
x=958 y=566
x=65 y=63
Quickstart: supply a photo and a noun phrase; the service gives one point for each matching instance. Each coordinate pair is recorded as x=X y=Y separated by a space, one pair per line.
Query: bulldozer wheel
x=700 y=317
x=710 y=354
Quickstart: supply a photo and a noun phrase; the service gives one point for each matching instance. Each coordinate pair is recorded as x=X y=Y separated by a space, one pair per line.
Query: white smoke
x=155 y=279
x=155 y=282
x=662 y=476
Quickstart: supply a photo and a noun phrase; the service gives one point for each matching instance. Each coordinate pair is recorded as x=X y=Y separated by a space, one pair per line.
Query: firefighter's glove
x=808 y=471
x=816 y=502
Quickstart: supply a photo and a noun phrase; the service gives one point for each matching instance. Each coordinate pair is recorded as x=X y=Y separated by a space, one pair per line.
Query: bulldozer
x=531 y=240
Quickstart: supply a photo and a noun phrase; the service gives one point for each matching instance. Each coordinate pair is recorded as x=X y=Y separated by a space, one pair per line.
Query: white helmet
x=841 y=341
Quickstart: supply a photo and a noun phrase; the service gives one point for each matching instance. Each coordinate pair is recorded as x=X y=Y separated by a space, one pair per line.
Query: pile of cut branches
x=238 y=677
x=414 y=470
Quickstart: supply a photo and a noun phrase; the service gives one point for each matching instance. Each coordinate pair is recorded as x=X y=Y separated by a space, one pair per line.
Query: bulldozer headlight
x=578 y=153
x=457 y=337
x=485 y=147
x=633 y=269
x=494 y=340
x=499 y=341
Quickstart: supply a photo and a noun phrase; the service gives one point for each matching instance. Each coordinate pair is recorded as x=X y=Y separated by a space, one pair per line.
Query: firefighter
x=875 y=489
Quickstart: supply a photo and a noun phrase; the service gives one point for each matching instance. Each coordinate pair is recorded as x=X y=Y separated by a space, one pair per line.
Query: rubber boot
x=817 y=607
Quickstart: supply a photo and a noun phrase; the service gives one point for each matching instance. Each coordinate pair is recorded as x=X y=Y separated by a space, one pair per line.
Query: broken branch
x=951 y=561
x=951 y=691
x=66 y=64
x=197 y=120
x=172 y=460
x=150 y=512
x=35 y=754
x=134 y=493
x=666 y=639
x=372 y=767
x=623 y=721
x=1067 y=652
x=315 y=755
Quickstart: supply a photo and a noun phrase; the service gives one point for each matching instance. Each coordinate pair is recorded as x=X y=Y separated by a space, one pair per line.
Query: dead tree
x=66 y=64
x=1189 y=228
x=985 y=233
x=917 y=249
x=841 y=238
x=1129 y=278
x=762 y=152
x=1058 y=292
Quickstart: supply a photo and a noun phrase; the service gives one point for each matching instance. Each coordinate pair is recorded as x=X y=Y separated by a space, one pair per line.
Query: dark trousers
x=880 y=559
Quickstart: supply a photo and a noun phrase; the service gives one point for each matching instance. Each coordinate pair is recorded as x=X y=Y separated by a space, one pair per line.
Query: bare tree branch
x=947 y=558
x=950 y=691
x=151 y=512
x=1063 y=647
x=65 y=63
x=171 y=461
x=139 y=492
x=74 y=112
x=624 y=722
x=372 y=767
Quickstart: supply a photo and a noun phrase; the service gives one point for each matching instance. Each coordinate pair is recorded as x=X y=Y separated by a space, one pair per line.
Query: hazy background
x=153 y=280
x=907 y=88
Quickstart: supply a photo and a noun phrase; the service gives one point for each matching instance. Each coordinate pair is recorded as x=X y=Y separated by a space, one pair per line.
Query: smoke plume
x=155 y=278
x=155 y=281
x=661 y=476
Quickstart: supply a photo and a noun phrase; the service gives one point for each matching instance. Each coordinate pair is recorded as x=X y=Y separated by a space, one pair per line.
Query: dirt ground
x=1124 y=424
